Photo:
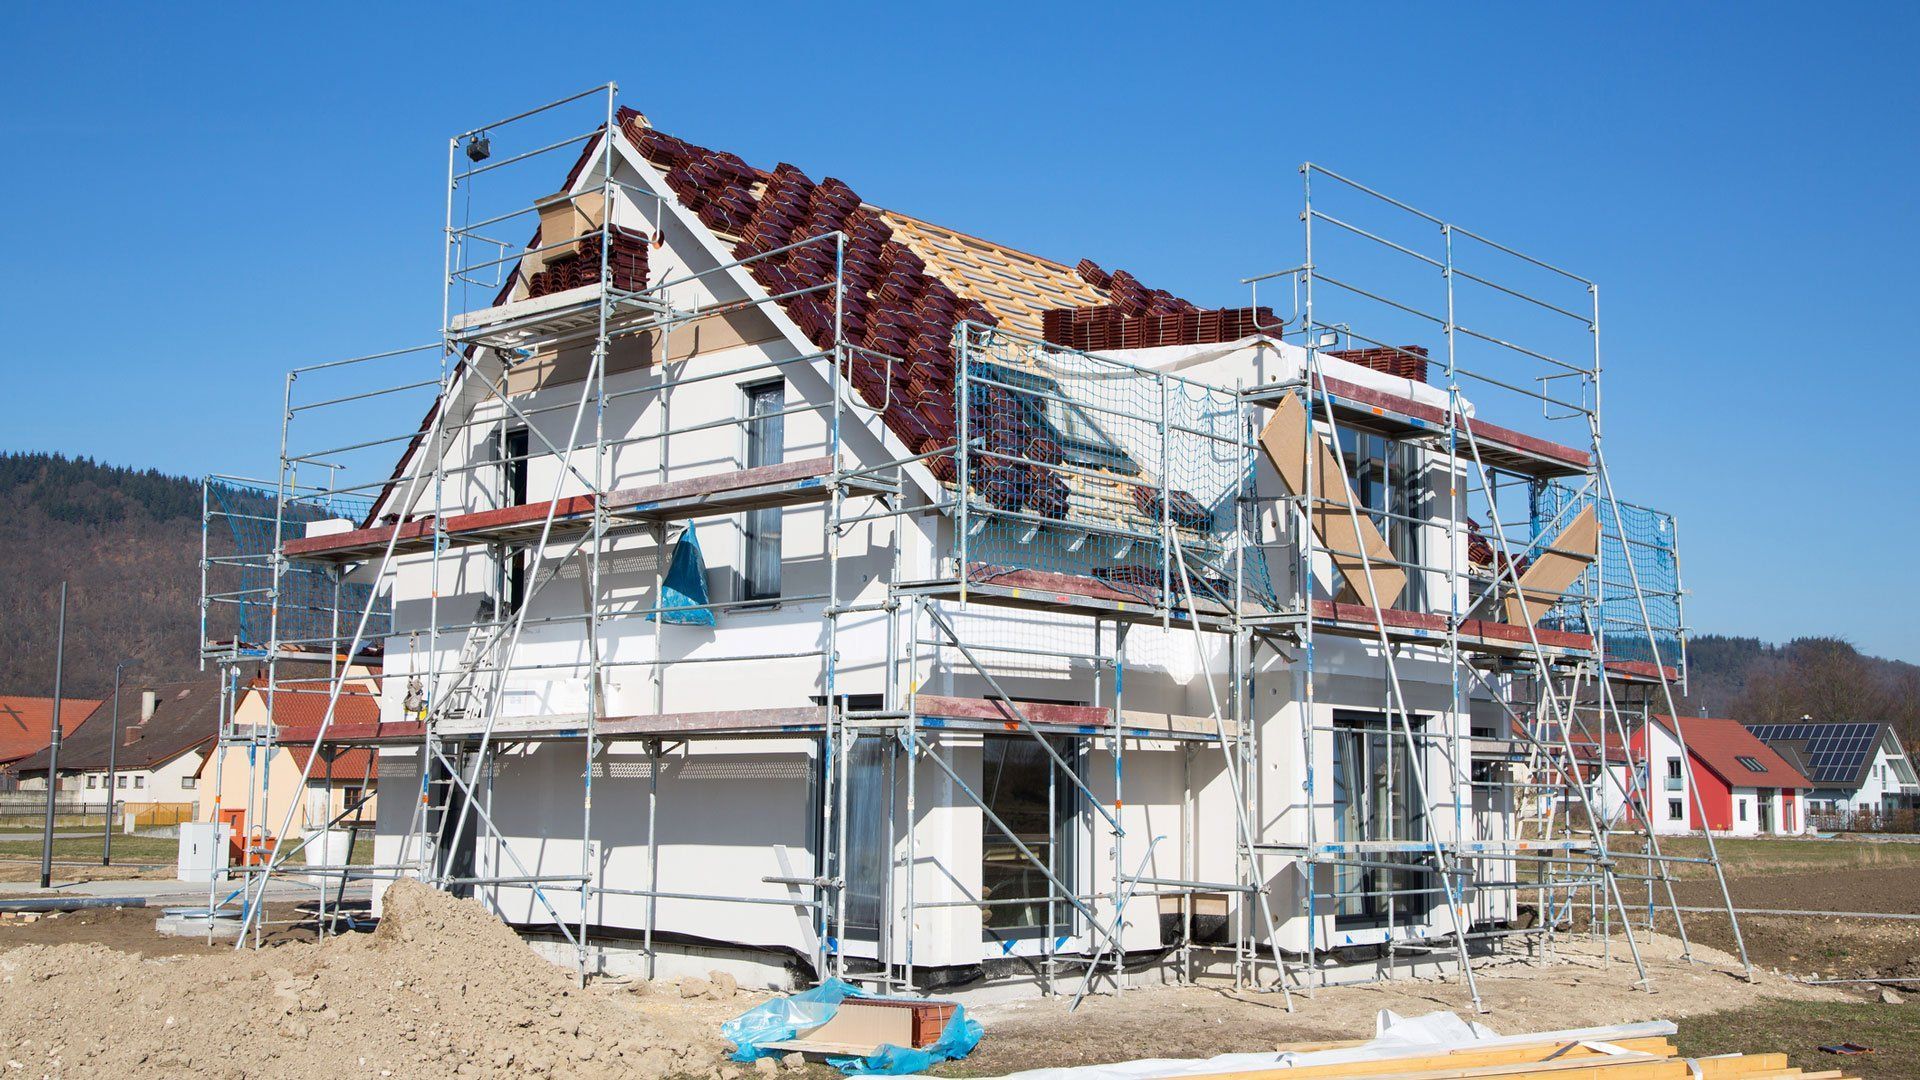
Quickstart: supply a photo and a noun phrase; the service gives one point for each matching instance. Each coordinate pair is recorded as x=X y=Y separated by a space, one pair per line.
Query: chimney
x=149 y=701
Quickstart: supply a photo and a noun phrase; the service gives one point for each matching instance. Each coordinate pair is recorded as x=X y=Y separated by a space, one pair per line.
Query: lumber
x=1546 y=580
x=1342 y=529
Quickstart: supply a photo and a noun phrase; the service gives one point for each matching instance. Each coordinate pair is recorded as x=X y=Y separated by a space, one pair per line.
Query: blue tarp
x=785 y=1018
x=683 y=594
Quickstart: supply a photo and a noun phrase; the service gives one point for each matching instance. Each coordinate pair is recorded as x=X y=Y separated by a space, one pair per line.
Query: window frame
x=762 y=446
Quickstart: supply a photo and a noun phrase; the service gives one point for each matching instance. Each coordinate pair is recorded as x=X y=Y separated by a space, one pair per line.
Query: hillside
x=128 y=543
x=1822 y=677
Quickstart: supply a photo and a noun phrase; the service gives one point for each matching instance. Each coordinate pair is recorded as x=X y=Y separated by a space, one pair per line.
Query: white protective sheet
x=1261 y=359
x=1394 y=1036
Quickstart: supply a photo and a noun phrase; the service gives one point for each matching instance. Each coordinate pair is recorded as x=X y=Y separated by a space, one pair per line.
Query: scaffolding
x=1095 y=491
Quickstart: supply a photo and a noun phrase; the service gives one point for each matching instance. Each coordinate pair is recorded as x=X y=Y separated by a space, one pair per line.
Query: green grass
x=1799 y=1029
x=162 y=849
x=1785 y=856
x=131 y=848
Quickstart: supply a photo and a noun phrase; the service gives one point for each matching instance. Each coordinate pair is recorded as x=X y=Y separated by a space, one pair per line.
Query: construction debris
x=1441 y=1044
x=838 y=1024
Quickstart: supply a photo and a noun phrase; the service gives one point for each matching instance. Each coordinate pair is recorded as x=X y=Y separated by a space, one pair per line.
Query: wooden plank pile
x=1560 y=1056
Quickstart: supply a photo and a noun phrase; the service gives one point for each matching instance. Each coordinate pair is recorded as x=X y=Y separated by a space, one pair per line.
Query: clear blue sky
x=197 y=201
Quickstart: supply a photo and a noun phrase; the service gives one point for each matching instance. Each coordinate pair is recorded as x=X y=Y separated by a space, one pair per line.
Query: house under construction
x=751 y=575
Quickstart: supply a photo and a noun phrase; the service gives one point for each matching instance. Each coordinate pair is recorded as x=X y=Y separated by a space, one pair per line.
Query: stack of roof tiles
x=1093 y=329
x=898 y=318
x=1136 y=317
x=1407 y=361
x=570 y=268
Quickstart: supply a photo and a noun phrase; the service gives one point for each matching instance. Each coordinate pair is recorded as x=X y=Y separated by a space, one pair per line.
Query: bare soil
x=1889 y=889
x=130 y=931
x=440 y=989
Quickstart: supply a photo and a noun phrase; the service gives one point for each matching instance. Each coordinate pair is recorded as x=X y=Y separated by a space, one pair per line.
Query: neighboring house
x=1742 y=785
x=26 y=724
x=165 y=732
x=339 y=787
x=1856 y=768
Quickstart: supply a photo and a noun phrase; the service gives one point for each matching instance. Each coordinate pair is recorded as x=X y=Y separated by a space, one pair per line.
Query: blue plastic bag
x=683 y=592
x=785 y=1018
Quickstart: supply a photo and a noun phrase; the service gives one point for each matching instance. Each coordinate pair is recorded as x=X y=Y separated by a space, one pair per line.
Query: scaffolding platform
x=1478 y=635
x=788 y=484
x=543 y=319
x=1504 y=448
x=932 y=712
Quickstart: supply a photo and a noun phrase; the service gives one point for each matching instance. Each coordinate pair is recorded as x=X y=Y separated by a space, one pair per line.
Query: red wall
x=1715 y=794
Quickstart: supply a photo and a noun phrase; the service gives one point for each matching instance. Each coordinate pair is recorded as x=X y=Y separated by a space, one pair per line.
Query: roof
x=1838 y=755
x=347 y=764
x=26 y=723
x=298 y=713
x=1726 y=747
x=186 y=716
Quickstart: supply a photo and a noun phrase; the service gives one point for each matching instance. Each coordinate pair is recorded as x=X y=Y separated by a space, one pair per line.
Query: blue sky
x=198 y=201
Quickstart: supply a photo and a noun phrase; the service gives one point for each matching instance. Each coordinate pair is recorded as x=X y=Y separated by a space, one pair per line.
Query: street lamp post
x=53 y=745
x=113 y=749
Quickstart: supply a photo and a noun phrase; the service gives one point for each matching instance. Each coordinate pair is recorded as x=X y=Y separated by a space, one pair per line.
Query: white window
x=760 y=535
x=139 y=781
x=1673 y=768
x=91 y=781
x=1675 y=811
x=123 y=781
x=188 y=783
x=1743 y=809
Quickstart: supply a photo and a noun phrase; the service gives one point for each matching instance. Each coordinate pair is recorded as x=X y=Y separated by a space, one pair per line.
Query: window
x=513 y=576
x=1743 y=809
x=1752 y=764
x=1675 y=810
x=139 y=781
x=91 y=781
x=123 y=781
x=188 y=783
x=760 y=532
x=1387 y=487
x=1027 y=791
x=1042 y=403
x=1375 y=799
x=1673 y=768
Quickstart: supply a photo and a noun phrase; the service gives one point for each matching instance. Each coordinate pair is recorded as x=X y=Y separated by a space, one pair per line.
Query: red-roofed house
x=26 y=726
x=339 y=785
x=1744 y=787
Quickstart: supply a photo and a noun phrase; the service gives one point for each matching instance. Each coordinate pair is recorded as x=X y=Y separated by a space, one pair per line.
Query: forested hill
x=1822 y=677
x=127 y=541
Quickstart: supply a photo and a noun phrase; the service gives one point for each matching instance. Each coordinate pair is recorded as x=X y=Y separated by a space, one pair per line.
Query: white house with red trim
x=1735 y=784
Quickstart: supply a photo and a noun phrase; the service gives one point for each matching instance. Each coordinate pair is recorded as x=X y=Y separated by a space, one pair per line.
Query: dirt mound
x=442 y=988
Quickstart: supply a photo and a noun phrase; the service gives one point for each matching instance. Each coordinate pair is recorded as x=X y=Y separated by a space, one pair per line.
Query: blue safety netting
x=1079 y=463
x=1640 y=544
x=315 y=607
x=683 y=592
x=787 y=1017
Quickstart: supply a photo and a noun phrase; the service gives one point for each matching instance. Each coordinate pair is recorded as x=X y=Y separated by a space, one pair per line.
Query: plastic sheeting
x=683 y=592
x=787 y=1017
